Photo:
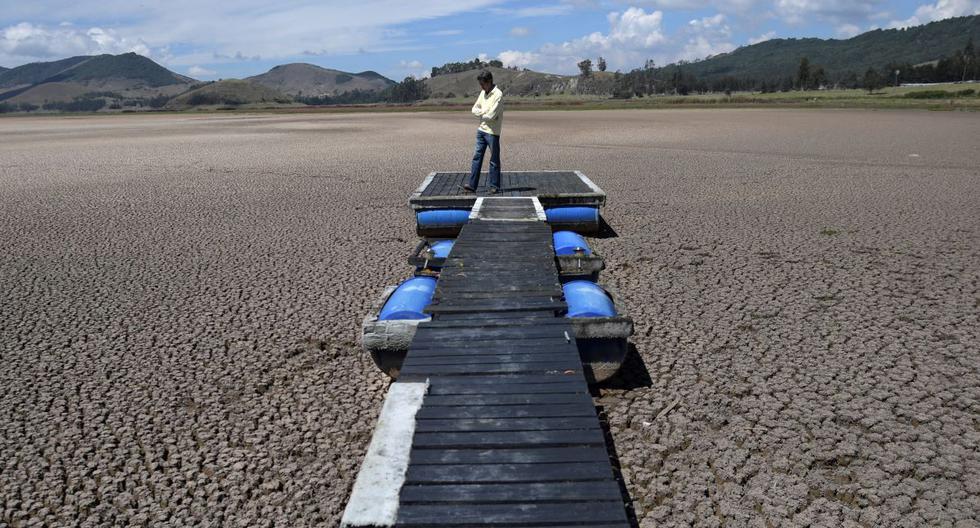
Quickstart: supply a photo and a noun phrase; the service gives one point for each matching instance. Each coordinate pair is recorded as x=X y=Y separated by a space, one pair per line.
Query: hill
x=36 y=72
x=127 y=75
x=232 y=92
x=779 y=58
x=2 y=69
x=310 y=80
x=512 y=82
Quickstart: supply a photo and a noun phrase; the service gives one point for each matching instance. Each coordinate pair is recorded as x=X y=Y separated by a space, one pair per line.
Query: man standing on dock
x=489 y=107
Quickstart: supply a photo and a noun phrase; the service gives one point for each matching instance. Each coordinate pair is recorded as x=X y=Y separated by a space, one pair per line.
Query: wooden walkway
x=507 y=433
x=551 y=188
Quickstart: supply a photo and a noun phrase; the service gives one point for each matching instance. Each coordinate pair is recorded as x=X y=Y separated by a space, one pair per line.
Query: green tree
x=803 y=73
x=872 y=81
x=969 y=59
x=407 y=91
x=585 y=67
x=601 y=64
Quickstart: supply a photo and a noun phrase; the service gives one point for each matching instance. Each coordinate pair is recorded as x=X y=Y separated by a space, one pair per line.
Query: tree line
x=963 y=65
x=459 y=67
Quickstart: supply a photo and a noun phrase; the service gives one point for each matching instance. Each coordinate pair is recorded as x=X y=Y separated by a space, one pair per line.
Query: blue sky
x=399 y=38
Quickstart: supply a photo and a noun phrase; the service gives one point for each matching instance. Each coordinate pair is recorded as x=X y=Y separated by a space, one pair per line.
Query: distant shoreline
x=937 y=97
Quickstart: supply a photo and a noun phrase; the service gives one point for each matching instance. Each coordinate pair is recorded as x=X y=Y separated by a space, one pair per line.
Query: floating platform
x=491 y=422
x=570 y=199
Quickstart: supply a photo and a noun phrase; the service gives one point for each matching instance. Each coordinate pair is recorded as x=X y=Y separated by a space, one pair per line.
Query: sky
x=399 y=38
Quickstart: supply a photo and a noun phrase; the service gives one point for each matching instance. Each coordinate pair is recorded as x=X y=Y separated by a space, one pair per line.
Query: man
x=489 y=108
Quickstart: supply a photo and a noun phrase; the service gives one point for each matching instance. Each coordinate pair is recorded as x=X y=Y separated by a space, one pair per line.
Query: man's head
x=485 y=79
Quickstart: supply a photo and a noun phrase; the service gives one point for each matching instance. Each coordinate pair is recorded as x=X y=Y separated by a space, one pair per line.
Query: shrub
x=158 y=101
x=78 y=105
x=930 y=94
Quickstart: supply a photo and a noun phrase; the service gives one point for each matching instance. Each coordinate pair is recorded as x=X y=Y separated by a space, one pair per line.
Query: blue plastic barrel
x=586 y=299
x=442 y=217
x=572 y=215
x=441 y=248
x=409 y=299
x=570 y=243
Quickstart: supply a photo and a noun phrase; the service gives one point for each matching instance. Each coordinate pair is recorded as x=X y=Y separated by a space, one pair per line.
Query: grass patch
x=827 y=231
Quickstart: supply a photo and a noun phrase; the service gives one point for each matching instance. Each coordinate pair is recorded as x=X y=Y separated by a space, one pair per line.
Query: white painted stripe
x=374 y=500
x=478 y=214
x=475 y=211
x=539 y=209
x=425 y=183
x=585 y=179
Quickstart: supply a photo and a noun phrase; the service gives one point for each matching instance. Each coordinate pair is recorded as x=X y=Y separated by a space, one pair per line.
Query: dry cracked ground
x=180 y=299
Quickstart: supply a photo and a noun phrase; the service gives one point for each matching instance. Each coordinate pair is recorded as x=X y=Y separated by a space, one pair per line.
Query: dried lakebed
x=180 y=298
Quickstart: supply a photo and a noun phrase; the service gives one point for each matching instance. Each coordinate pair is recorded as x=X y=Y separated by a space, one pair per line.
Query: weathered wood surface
x=508 y=434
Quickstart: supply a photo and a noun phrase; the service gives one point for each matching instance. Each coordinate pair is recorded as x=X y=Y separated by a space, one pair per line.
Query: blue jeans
x=484 y=140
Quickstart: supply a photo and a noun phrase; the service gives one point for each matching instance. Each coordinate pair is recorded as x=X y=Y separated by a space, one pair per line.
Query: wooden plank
x=515 y=379
x=490 y=306
x=504 y=439
x=515 y=321
x=572 y=365
x=568 y=471
x=528 y=455
x=493 y=332
x=492 y=341
x=490 y=359
x=505 y=388
x=602 y=490
x=506 y=424
x=506 y=411
x=506 y=399
x=518 y=349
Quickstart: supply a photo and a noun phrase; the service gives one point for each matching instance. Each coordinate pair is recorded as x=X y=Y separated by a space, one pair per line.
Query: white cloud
x=634 y=36
x=249 y=28
x=27 y=42
x=796 y=12
x=847 y=30
x=445 y=33
x=835 y=11
x=521 y=59
x=199 y=72
x=705 y=37
x=413 y=68
x=520 y=31
x=768 y=35
x=941 y=9
x=536 y=11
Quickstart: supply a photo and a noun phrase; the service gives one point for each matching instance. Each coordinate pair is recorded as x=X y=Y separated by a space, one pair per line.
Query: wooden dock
x=552 y=188
x=506 y=433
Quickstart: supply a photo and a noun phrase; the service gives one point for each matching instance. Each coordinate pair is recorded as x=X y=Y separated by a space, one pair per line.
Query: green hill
x=779 y=58
x=126 y=66
x=310 y=80
x=36 y=72
x=231 y=92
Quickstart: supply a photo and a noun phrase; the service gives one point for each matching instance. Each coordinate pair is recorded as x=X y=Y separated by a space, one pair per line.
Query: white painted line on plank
x=539 y=209
x=374 y=500
x=475 y=211
x=425 y=183
x=585 y=179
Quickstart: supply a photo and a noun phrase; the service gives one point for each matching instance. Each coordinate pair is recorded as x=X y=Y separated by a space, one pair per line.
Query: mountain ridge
x=777 y=58
x=304 y=79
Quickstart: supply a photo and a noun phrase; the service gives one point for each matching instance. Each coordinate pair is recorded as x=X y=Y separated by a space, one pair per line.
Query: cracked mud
x=180 y=299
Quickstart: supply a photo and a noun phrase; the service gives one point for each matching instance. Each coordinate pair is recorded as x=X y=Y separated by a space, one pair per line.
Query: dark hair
x=485 y=77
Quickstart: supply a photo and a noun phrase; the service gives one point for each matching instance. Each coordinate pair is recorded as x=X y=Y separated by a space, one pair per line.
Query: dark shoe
x=467 y=188
x=492 y=190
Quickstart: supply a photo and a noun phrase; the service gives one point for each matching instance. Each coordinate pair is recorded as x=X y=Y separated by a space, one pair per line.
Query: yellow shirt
x=490 y=110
